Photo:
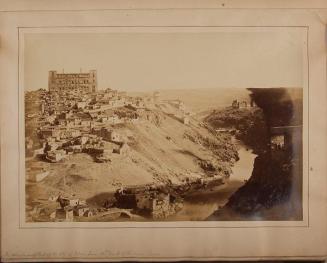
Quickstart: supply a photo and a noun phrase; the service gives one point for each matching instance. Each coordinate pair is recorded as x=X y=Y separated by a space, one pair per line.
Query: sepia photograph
x=164 y=125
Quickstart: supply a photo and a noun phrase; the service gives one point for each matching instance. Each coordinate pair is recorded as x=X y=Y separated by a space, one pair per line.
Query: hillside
x=161 y=151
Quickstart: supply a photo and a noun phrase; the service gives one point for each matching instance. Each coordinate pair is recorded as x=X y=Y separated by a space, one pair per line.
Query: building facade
x=74 y=82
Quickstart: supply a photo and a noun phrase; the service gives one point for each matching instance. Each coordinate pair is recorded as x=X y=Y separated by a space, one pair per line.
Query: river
x=201 y=206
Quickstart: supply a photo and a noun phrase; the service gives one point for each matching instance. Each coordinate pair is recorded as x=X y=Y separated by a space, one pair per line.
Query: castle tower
x=52 y=80
x=93 y=80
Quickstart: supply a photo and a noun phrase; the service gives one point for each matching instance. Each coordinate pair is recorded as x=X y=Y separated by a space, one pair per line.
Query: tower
x=93 y=80
x=52 y=80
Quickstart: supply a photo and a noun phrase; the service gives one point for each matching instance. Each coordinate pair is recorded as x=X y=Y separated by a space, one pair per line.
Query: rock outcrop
x=274 y=191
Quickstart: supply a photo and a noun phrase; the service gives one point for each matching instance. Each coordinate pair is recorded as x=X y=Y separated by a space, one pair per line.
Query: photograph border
x=163 y=224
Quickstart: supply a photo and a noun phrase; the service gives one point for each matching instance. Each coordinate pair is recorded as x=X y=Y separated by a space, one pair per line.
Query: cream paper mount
x=162 y=132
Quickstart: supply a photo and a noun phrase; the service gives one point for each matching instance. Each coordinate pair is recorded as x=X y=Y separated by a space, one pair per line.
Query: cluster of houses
x=149 y=201
x=92 y=143
x=66 y=118
x=70 y=208
x=87 y=111
x=71 y=122
x=59 y=208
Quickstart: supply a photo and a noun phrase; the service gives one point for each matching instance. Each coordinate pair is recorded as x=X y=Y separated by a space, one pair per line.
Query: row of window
x=72 y=81
x=71 y=87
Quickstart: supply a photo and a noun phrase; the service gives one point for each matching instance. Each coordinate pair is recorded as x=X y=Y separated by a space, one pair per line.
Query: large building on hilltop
x=78 y=82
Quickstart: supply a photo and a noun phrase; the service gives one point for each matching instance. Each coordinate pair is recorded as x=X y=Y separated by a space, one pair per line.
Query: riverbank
x=200 y=205
x=202 y=197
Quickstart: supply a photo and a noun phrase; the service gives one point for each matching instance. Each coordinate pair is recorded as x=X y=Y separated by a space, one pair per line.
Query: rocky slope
x=249 y=123
x=161 y=150
x=274 y=191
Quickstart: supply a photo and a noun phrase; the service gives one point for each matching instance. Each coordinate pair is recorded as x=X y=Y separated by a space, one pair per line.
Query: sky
x=147 y=61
